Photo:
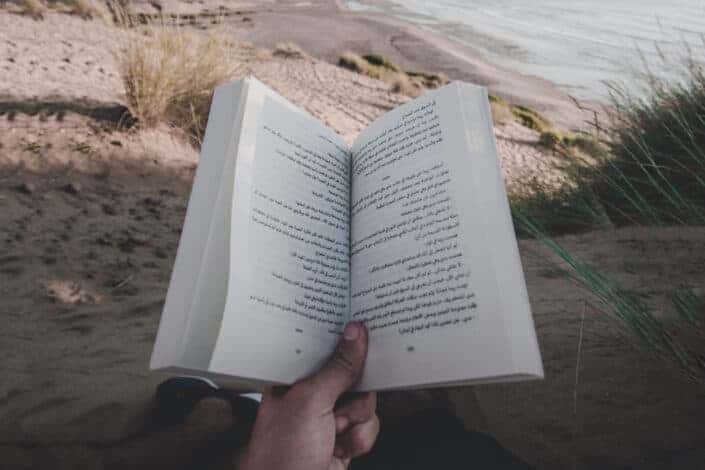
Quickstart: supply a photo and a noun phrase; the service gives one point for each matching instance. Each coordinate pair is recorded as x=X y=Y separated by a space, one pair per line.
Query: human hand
x=311 y=426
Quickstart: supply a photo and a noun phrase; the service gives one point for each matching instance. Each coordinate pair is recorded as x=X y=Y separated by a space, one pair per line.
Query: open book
x=291 y=232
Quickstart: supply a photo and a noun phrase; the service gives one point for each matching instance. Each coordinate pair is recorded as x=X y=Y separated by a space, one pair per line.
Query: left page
x=288 y=286
x=196 y=296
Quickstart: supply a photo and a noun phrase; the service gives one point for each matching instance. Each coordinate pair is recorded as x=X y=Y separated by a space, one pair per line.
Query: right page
x=435 y=271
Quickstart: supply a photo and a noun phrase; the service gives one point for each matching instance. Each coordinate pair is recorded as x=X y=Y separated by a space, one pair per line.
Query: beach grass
x=85 y=8
x=675 y=335
x=402 y=84
x=428 y=80
x=359 y=64
x=288 y=50
x=657 y=175
x=33 y=8
x=501 y=114
x=647 y=167
x=648 y=170
x=169 y=73
x=410 y=83
x=380 y=61
x=550 y=138
x=530 y=118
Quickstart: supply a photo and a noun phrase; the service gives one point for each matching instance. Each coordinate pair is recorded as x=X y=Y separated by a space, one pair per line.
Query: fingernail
x=351 y=331
x=338 y=452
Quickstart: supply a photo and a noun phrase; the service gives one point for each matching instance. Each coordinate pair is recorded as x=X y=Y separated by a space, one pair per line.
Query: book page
x=422 y=278
x=182 y=338
x=289 y=263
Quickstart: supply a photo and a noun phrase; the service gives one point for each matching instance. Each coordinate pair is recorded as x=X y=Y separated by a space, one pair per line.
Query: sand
x=409 y=47
x=90 y=217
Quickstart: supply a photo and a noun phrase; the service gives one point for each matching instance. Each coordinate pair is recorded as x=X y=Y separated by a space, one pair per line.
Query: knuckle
x=360 y=444
x=342 y=361
x=376 y=426
x=364 y=439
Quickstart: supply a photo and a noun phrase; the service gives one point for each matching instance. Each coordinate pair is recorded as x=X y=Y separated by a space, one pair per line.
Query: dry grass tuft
x=34 y=8
x=405 y=86
x=428 y=80
x=550 y=138
x=501 y=111
x=356 y=63
x=288 y=50
x=169 y=74
x=378 y=60
x=501 y=114
x=85 y=8
x=405 y=82
x=529 y=118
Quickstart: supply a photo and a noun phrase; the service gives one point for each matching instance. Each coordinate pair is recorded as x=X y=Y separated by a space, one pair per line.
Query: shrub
x=657 y=138
x=571 y=208
x=550 y=138
x=530 y=118
x=649 y=170
x=288 y=50
x=429 y=80
x=501 y=113
x=380 y=61
x=649 y=166
x=404 y=85
x=34 y=8
x=379 y=67
x=356 y=63
x=84 y=8
x=169 y=74
x=585 y=143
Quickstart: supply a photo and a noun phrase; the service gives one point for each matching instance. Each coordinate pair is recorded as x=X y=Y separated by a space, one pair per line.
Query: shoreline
x=411 y=47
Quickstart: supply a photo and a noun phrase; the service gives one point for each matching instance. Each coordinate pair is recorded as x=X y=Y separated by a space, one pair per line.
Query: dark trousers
x=435 y=439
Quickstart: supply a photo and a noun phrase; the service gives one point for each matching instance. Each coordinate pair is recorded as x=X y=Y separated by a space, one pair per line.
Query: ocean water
x=578 y=44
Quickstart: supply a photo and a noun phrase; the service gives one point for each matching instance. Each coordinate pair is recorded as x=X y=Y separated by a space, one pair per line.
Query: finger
x=339 y=464
x=357 y=440
x=357 y=410
x=210 y=416
x=344 y=367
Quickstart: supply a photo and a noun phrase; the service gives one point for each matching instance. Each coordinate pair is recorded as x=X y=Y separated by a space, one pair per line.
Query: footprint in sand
x=70 y=292
x=98 y=417
x=9 y=265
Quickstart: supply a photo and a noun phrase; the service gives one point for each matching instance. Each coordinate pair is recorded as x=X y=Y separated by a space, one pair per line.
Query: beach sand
x=90 y=217
x=408 y=46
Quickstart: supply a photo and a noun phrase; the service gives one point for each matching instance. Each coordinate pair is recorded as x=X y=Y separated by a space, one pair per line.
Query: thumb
x=344 y=367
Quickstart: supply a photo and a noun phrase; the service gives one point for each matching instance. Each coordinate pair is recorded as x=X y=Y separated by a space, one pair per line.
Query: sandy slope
x=68 y=64
x=327 y=31
x=89 y=223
